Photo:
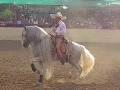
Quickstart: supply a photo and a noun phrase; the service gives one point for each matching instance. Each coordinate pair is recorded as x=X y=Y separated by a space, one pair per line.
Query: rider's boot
x=61 y=58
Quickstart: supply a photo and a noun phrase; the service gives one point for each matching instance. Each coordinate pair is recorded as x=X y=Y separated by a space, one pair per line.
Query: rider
x=59 y=28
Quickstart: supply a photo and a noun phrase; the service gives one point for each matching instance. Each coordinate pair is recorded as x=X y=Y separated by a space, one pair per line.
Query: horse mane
x=36 y=32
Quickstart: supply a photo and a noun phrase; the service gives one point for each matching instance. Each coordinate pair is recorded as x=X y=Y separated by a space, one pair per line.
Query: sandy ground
x=16 y=73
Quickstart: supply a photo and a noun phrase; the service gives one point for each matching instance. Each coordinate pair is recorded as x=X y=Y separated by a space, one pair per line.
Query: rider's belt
x=59 y=36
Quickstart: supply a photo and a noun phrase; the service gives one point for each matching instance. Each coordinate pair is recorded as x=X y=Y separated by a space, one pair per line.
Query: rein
x=40 y=43
x=45 y=36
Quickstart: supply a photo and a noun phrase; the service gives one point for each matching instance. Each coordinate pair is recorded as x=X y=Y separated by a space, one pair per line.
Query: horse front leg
x=40 y=72
x=33 y=67
x=37 y=66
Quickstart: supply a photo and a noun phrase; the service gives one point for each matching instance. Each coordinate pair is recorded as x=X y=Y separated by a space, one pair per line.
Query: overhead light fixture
x=64 y=7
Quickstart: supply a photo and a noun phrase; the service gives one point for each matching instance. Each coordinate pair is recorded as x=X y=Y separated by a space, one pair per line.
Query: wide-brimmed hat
x=58 y=14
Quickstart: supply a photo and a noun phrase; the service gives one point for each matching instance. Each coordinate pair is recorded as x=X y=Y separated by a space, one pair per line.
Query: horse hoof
x=62 y=62
x=38 y=83
x=40 y=79
x=33 y=67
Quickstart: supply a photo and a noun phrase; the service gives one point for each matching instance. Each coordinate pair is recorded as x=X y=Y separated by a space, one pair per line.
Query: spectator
x=35 y=22
x=18 y=22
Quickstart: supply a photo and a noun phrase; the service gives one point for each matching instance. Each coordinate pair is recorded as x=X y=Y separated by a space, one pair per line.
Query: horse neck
x=41 y=48
x=35 y=48
x=52 y=39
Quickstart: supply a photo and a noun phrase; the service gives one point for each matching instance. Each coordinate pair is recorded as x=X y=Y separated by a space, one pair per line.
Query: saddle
x=66 y=48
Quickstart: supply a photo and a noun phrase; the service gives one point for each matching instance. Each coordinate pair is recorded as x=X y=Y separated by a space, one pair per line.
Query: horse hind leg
x=79 y=69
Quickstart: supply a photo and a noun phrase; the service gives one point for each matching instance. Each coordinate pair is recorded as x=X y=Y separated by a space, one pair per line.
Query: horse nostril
x=25 y=44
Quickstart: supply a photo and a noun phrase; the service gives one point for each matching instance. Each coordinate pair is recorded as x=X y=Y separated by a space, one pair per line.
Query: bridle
x=45 y=36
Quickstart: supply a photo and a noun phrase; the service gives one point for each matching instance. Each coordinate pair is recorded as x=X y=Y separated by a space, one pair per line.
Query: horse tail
x=87 y=62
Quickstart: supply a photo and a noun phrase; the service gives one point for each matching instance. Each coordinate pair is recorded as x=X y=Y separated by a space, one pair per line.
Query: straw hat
x=59 y=15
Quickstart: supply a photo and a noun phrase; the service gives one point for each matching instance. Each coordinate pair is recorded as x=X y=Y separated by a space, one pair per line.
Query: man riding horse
x=41 y=45
x=59 y=28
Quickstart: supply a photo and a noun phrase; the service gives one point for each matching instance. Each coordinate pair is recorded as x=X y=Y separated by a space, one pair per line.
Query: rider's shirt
x=61 y=28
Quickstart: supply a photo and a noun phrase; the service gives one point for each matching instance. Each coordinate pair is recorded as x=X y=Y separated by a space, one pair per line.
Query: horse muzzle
x=25 y=44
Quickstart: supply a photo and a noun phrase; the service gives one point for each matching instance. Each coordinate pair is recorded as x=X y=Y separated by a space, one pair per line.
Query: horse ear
x=25 y=27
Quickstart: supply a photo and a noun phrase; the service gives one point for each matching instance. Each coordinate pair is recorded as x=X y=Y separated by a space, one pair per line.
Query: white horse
x=39 y=41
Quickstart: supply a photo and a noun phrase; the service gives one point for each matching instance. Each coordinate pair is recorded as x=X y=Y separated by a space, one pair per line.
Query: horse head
x=32 y=34
x=25 y=37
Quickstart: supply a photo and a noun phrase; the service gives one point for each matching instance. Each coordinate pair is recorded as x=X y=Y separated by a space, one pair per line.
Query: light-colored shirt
x=35 y=22
x=18 y=22
x=61 y=29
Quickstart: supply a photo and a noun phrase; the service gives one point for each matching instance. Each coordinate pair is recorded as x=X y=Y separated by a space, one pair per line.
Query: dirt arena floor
x=16 y=73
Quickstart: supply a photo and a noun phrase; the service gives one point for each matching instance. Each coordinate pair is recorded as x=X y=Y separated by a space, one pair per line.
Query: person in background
x=18 y=22
x=35 y=22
